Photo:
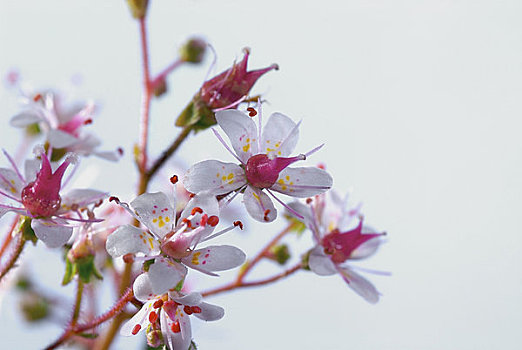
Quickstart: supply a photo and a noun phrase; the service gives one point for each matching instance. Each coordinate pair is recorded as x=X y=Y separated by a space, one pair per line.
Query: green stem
x=77 y=303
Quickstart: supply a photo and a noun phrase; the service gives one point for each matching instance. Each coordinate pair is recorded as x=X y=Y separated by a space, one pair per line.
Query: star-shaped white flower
x=263 y=156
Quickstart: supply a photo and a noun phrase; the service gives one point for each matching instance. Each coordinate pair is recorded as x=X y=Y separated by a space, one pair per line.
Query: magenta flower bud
x=42 y=196
x=263 y=172
x=232 y=85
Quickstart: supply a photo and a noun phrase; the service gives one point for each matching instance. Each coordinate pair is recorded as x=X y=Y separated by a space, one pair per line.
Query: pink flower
x=169 y=314
x=40 y=199
x=171 y=245
x=63 y=124
x=263 y=157
x=339 y=242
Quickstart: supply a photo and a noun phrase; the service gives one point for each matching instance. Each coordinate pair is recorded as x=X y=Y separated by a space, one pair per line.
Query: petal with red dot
x=280 y=136
x=241 y=130
x=215 y=258
x=215 y=177
x=156 y=212
x=259 y=205
x=165 y=274
x=129 y=239
x=52 y=235
x=303 y=182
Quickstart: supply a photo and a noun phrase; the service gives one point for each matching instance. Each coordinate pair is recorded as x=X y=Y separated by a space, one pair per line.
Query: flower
x=264 y=162
x=338 y=241
x=62 y=124
x=170 y=245
x=168 y=314
x=40 y=199
x=226 y=90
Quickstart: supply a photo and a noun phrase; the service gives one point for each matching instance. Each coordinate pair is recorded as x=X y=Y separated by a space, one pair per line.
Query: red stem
x=8 y=237
x=145 y=104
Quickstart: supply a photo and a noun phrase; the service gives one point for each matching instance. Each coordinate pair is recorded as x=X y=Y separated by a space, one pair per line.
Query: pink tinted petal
x=128 y=239
x=215 y=258
x=210 y=312
x=81 y=198
x=191 y=299
x=165 y=274
x=142 y=288
x=259 y=205
x=52 y=235
x=140 y=318
x=206 y=202
x=280 y=136
x=359 y=285
x=320 y=263
x=31 y=168
x=10 y=183
x=155 y=212
x=214 y=176
x=25 y=118
x=112 y=156
x=60 y=139
x=303 y=182
x=241 y=130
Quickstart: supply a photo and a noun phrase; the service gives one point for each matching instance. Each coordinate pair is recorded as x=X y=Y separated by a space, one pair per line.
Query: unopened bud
x=138 y=8
x=281 y=253
x=159 y=87
x=193 y=51
x=82 y=248
x=34 y=307
x=154 y=337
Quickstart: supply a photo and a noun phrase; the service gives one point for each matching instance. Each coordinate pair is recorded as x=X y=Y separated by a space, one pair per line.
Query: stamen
x=37 y=97
x=252 y=111
x=213 y=221
x=309 y=153
x=240 y=224
x=266 y=218
x=157 y=304
x=175 y=327
x=196 y=309
x=286 y=206
x=128 y=258
x=13 y=165
x=225 y=145
x=87 y=121
x=120 y=151
x=309 y=200
x=136 y=329
x=196 y=210
x=187 y=309
x=115 y=199
x=174 y=179
x=204 y=219
x=153 y=317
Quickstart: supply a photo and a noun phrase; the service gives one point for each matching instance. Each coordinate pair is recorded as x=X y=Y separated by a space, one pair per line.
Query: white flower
x=263 y=165
x=169 y=314
x=172 y=245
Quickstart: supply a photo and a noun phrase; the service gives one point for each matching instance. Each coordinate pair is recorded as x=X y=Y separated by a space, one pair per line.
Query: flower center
x=262 y=172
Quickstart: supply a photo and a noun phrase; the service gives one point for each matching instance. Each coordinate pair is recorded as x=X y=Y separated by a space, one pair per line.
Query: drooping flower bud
x=193 y=51
x=226 y=90
x=42 y=196
x=138 y=8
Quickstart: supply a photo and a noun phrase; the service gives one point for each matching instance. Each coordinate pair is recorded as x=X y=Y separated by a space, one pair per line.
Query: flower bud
x=280 y=253
x=81 y=249
x=193 y=51
x=154 y=337
x=138 y=8
x=34 y=307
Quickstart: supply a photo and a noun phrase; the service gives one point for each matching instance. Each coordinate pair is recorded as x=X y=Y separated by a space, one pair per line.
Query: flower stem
x=77 y=303
x=168 y=152
x=14 y=257
x=241 y=284
x=145 y=103
x=8 y=237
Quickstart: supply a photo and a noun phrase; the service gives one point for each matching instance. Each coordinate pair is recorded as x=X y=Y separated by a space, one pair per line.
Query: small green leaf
x=27 y=231
x=67 y=277
x=147 y=264
x=179 y=285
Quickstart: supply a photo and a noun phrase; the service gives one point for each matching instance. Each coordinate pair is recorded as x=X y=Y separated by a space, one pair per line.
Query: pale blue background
x=419 y=105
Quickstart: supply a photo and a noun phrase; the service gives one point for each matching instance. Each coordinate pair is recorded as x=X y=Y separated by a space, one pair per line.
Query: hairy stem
x=8 y=236
x=11 y=262
x=77 y=303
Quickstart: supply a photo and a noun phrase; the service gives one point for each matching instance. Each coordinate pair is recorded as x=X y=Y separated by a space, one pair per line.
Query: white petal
x=82 y=197
x=241 y=130
x=3 y=211
x=141 y=318
x=210 y=312
x=320 y=263
x=259 y=205
x=128 y=239
x=303 y=182
x=10 y=183
x=360 y=285
x=280 y=136
x=191 y=299
x=155 y=212
x=60 y=139
x=142 y=288
x=181 y=340
x=305 y=211
x=113 y=156
x=215 y=258
x=366 y=249
x=210 y=207
x=25 y=118
x=165 y=274
x=31 y=168
x=214 y=176
x=52 y=235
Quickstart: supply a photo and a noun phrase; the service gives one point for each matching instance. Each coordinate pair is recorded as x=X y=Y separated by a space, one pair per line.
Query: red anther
x=37 y=97
x=116 y=199
x=321 y=166
x=175 y=327
x=191 y=195
x=120 y=151
x=238 y=223
x=87 y=121
x=174 y=179
x=128 y=258
x=136 y=329
x=187 y=222
x=196 y=210
x=266 y=215
x=252 y=111
x=213 y=221
x=309 y=200
x=157 y=304
x=196 y=309
x=187 y=310
x=204 y=219
x=153 y=317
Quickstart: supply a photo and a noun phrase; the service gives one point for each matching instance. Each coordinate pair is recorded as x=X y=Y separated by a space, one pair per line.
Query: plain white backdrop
x=419 y=105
